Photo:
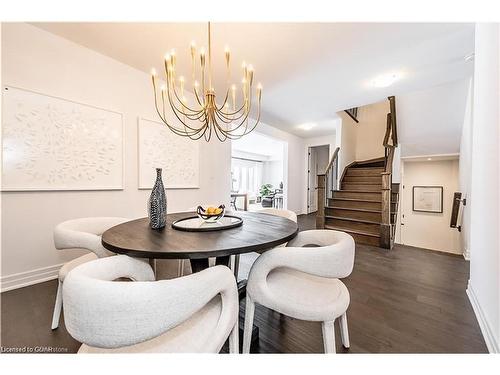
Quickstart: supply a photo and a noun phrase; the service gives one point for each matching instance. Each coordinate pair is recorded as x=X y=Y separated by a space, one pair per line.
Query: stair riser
x=348 y=224
x=363 y=179
x=363 y=172
x=365 y=240
x=358 y=204
x=356 y=195
x=346 y=186
x=362 y=195
x=361 y=239
x=351 y=214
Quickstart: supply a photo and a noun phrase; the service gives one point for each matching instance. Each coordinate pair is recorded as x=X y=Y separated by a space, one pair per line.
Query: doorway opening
x=258 y=175
x=317 y=162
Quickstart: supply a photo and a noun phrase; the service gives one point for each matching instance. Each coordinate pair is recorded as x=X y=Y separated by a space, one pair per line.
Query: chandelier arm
x=185 y=106
x=192 y=116
x=233 y=113
x=222 y=136
x=223 y=118
x=256 y=122
x=198 y=97
x=175 y=110
x=173 y=129
x=225 y=101
x=239 y=125
x=240 y=113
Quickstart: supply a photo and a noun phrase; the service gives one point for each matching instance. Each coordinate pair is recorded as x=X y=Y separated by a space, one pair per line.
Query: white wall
x=370 y=130
x=484 y=279
x=464 y=173
x=37 y=60
x=429 y=230
x=293 y=179
x=363 y=140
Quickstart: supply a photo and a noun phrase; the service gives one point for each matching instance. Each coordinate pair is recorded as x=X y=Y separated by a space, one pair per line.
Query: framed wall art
x=51 y=143
x=179 y=157
x=428 y=199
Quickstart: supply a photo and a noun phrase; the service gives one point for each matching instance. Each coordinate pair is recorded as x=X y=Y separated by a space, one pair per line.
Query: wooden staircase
x=357 y=207
x=364 y=203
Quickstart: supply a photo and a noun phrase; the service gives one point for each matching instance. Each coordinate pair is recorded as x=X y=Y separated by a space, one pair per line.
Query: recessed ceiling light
x=429 y=158
x=385 y=80
x=307 y=126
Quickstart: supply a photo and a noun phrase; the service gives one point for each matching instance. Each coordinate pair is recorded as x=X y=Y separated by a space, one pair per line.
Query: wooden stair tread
x=353 y=209
x=358 y=200
x=351 y=219
x=378 y=182
x=349 y=230
x=359 y=191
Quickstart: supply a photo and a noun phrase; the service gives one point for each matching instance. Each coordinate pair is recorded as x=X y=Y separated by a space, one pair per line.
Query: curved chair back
x=103 y=313
x=85 y=233
x=277 y=212
x=331 y=252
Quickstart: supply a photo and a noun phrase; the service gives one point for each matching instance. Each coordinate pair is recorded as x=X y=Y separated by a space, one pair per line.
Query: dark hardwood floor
x=406 y=300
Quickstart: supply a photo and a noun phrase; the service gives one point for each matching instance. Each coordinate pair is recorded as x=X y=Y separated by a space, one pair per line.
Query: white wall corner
x=488 y=334
x=22 y=279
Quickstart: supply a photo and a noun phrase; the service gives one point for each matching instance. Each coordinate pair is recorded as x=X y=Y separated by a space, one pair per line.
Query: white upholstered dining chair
x=190 y=314
x=303 y=282
x=249 y=258
x=278 y=212
x=83 y=233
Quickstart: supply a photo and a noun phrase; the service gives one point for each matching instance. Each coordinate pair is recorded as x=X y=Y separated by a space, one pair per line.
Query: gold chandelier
x=228 y=120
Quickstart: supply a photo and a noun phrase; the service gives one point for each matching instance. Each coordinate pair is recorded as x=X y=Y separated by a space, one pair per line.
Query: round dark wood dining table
x=259 y=232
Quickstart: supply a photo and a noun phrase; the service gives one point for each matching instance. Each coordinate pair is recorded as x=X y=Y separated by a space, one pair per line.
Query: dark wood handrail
x=390 y=143
x=332 y=160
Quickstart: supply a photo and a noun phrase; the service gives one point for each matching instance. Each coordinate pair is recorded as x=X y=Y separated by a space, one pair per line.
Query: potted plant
x=266 y=190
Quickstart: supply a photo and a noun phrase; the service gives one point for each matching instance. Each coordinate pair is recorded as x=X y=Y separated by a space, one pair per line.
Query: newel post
x=320 y=214
x=385 y=226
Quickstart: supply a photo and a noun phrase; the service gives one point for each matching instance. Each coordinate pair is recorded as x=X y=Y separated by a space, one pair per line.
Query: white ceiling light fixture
x=385 y=80
x=306 y=126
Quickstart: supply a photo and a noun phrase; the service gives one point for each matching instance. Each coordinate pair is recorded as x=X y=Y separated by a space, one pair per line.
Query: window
x=246 y=176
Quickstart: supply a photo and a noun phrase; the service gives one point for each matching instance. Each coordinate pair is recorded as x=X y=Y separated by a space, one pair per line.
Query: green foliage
x=266 y=190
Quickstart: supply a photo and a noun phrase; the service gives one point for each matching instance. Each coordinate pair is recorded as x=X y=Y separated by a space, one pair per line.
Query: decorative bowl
x=210 y=217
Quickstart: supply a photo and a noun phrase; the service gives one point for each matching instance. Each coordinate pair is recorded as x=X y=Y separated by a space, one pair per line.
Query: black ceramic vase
x=157 y=204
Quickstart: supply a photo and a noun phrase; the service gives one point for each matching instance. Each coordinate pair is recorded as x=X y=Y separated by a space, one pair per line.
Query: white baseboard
x=486 y=330
x=22 y=279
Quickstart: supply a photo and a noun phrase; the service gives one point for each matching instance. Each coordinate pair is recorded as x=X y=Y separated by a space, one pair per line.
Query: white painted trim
x=466 y=255
x=488 y=334
x=22 y=279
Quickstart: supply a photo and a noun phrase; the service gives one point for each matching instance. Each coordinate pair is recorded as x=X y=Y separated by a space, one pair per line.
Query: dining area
x=114 y=301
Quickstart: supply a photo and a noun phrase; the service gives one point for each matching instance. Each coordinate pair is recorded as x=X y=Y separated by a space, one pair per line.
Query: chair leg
x=344 y=332
x=234 y=339
x=180 y=267
x=247 y=334
x=235 y=265
x=57 y=307
x=328 y=329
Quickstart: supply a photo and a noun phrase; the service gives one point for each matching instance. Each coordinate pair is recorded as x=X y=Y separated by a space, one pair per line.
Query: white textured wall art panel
x=178 y=156
x=56 y=144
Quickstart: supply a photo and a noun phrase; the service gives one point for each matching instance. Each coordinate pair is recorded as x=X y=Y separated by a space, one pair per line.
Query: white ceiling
x=430 y=121
x=309 y=70
x=259 y=144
